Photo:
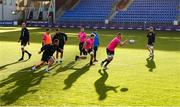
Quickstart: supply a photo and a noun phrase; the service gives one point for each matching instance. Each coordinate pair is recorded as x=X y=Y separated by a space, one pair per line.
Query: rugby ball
x=131 y=41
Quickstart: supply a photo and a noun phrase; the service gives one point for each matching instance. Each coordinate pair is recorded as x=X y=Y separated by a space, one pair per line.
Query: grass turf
x=130 y=79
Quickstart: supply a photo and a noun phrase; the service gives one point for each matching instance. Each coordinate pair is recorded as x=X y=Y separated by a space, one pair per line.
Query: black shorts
x=24 y=43
x=109 y=53
x=151 y=44
x=61 y=46
x=81 y=44
x=45 y=57
x=89 y=50
x=95 y=48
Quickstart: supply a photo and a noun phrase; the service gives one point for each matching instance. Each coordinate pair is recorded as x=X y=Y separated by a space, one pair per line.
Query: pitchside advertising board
x=46 y=24
x=120 y=27
x=8 y=23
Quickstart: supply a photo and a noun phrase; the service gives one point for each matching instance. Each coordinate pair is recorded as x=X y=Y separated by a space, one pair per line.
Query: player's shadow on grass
x=64 y=68
x=19 y=84
x=151 y=64
x=101 y=87
x=4 y=66
x=69 y=81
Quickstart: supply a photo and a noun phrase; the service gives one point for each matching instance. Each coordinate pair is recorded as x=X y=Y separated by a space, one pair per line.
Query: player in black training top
x=62 y=37
x=24 y=39
x=47 y=56
x=151 y=41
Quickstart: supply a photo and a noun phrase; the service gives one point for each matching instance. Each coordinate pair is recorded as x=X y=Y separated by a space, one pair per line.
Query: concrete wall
x=0 y=12
x=8 y=7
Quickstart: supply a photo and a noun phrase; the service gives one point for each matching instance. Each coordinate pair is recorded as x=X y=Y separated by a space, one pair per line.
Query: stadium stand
x=139 y=11
x=149 y=11
x=89 y=10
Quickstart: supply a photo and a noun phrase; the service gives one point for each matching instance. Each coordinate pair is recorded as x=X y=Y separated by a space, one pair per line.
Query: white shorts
x=53 y=58
x=151 y=47
x=110 y=56
x=22 y=46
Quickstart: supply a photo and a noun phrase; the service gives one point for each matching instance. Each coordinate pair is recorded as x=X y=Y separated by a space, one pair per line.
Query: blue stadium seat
x=152 y=11
x=89 y=10
x=140 y=11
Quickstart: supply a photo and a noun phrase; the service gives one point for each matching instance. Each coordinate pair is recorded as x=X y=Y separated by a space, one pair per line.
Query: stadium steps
x=115 y=8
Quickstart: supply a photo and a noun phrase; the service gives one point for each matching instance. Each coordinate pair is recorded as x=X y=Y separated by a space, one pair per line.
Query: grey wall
x=9 y=6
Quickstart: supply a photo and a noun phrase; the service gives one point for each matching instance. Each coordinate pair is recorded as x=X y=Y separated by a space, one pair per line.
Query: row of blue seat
x=138 y=11
x=149 y=10
x=89 y=10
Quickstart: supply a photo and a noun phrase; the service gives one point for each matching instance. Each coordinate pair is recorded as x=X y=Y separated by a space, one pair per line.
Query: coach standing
x=151 y=41
x=24 y=39
x=96 y=44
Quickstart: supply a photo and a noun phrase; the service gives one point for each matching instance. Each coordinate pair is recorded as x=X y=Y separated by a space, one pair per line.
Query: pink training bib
x=82 y=36
x=113 y=44
x=89 y=43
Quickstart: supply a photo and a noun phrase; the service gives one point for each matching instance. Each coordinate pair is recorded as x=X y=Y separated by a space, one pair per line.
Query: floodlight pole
x=54 y=11
x=179 y=15
x=2 y=10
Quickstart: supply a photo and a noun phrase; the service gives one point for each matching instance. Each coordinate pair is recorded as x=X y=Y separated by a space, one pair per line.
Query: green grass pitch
x=130 y=79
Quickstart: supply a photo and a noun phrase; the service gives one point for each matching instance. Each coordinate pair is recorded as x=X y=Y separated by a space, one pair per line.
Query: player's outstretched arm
x=123 y=43
x=42 y=49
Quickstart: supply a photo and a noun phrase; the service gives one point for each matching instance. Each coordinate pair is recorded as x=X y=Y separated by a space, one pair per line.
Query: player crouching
x=88 y=46
x=47 y=56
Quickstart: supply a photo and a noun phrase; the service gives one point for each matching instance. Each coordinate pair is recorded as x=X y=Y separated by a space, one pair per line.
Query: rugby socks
x=81 y=52
x=95 y=55
x=91 y=60
x=104 y=61
x=107 y=63
x=76 y=58
x=27 y=52
x=22 y=55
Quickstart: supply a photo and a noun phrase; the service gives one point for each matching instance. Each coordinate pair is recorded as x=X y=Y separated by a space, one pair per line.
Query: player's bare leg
x=50 y=63
x=91 y=58
x=24 y=51
x=150 y=50
x=57 y=56
x=38 y=65
x=61 y=56
x=108 y=60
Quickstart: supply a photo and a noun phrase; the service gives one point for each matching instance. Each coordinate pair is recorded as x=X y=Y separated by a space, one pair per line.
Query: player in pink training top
x=88 y=47
x=82 y=39
x=111 y=48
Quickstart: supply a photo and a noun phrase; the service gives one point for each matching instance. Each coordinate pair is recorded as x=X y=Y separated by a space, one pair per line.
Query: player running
x=24 y=39
x=82 y=39
x=151 y=41
x=111 y=48
x=62 y=37
x=88 y=47
x=47 y=56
